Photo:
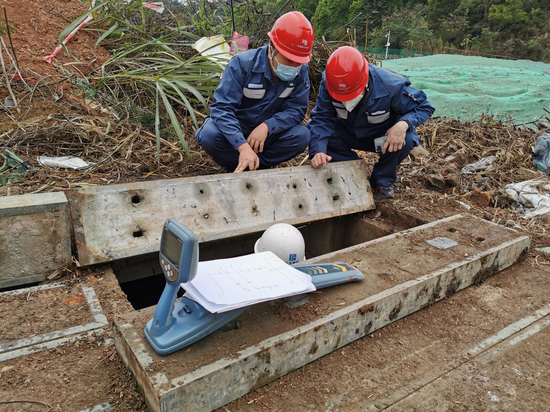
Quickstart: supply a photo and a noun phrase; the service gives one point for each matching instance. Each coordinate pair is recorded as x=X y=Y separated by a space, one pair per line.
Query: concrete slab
x=38 y=328
x=403 y=274
x=78 y=372
x=511 y=375
x=35 y=237
x=121 y=221
x=423 y=349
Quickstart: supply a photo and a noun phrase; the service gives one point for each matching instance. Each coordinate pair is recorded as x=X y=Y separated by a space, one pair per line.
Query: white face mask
x=351 y=104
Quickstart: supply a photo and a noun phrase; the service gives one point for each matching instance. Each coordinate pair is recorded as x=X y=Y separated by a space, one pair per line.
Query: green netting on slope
x=466 y=86
x=379 y=53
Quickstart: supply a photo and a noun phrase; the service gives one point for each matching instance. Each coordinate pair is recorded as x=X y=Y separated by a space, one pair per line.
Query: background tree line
x=513 y=28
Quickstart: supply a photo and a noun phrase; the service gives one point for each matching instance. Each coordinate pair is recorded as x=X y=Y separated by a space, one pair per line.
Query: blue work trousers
x=384 y=172
x=278 y=148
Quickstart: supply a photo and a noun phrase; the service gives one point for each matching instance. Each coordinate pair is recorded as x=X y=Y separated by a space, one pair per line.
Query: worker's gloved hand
x=258 y=137
x=247 y=158
x=396 y=137
x=320 y=159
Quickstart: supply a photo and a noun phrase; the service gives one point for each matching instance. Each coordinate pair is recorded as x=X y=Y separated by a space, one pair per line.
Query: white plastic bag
x=214 y=46
x=66 y=162
x=480 y=165
x=533 y=194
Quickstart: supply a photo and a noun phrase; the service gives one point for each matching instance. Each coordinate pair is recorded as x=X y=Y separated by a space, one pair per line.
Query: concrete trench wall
x=35 y=237
x=115 y=222
x=321 y=237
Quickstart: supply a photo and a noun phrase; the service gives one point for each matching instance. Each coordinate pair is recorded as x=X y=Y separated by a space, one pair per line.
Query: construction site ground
x=418 y=363
x=426 y=361
x=421 y=362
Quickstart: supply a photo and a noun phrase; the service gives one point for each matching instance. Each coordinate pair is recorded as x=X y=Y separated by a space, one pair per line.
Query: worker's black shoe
x=386 y=192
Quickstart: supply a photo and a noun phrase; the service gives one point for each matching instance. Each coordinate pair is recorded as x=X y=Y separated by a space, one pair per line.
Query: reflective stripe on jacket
x=250 y=94
x=389 y=98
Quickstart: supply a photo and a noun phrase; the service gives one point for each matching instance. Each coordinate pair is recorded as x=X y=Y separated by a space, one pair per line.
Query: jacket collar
x=377 y=89
x=262 y=64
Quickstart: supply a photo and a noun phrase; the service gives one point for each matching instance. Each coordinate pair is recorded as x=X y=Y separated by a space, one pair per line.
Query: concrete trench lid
x=403 y=273
x=121 y=221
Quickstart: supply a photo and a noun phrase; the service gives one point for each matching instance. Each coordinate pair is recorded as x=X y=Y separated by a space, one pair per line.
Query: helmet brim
x=344 y=97
x=294 y=58
x=290 y=56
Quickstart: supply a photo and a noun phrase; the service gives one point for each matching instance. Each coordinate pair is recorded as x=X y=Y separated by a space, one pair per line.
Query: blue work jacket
x=388 y=99
x=250 y=94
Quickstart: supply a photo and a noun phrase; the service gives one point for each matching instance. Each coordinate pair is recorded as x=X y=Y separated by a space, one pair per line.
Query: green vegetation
x=153 y=75
x=156 y=78
x=510 y=28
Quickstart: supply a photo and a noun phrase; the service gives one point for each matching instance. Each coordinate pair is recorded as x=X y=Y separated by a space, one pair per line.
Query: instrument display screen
x=171 y=247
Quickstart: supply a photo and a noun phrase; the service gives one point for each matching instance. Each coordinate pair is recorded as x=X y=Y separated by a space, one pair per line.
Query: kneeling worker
x=368 y=108
x=261 y=100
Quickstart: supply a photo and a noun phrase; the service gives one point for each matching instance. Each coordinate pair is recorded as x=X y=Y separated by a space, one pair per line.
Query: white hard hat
x=285 y=241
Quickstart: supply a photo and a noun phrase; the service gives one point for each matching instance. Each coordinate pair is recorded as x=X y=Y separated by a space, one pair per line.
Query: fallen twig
x=8 y=85
x=27 y=401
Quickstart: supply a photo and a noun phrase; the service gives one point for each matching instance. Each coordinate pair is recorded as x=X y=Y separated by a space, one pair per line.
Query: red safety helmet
x=292 y=36
x=347 y=73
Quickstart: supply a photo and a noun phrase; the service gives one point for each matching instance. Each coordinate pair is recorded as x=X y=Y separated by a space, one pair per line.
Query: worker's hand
x=320 y=159
x=396 y=137
x=247 y=158
x=257 y=138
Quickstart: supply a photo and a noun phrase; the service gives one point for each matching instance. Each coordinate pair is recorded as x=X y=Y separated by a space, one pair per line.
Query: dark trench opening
x=141 y=278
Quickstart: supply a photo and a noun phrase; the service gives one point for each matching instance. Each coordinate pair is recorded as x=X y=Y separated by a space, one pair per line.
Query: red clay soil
x=36 y=25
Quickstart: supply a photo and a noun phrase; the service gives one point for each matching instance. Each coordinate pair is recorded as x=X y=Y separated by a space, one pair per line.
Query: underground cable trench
x=141 y=277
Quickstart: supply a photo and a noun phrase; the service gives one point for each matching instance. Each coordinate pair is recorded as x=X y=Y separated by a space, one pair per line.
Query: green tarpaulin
x=466 y=86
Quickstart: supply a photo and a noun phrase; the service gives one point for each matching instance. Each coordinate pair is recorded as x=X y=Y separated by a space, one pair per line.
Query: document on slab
x=226 y=284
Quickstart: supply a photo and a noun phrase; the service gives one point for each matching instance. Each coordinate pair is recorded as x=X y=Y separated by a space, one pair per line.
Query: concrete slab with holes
x=121 y=221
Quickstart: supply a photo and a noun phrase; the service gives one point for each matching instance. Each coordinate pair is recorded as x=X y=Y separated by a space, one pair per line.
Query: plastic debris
x=157 y=6
x=533 y=195
x=216 y=47
x=239 y=43
x=9 y=103
x=478 y=166
x=12 y=169
x=67 y=162
x=541 y=156
x=464 y=204
x=89 y=18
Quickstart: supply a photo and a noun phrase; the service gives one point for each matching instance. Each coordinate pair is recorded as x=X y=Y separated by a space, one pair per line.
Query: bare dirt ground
x=69 y=301
x=74 y=376
x=418 y=363
x=36 y=25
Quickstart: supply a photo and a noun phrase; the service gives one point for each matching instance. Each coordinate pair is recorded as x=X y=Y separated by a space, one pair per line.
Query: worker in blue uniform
x=255 y=119
x=364 y=107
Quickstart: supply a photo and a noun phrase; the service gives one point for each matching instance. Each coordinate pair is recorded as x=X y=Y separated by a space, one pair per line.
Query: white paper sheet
x=226 y=284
